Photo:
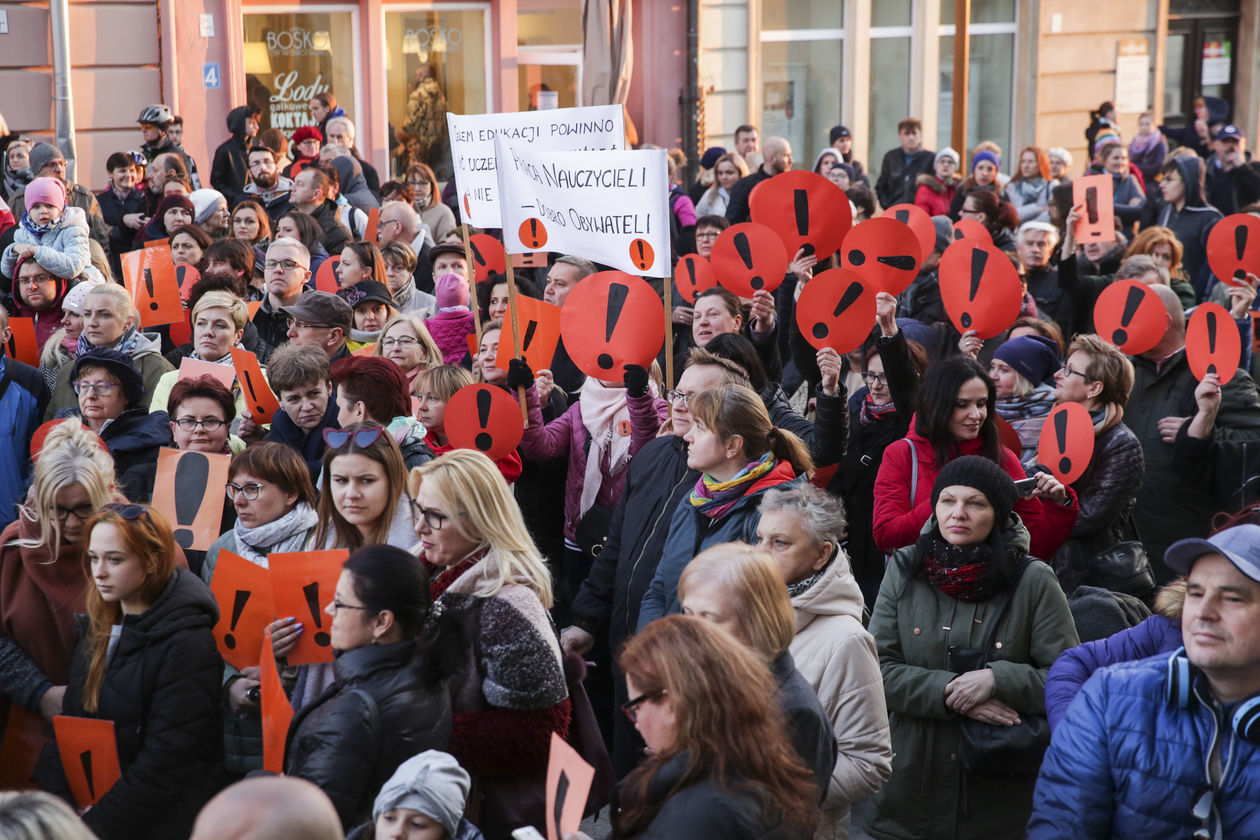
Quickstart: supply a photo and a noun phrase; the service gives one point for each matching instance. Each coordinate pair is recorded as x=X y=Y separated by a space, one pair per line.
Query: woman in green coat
x=941 y=593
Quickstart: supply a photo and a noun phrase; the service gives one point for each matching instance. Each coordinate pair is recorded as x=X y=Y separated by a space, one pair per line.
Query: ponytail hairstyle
x=148 y=538
x=735 y=410
x=937 y=396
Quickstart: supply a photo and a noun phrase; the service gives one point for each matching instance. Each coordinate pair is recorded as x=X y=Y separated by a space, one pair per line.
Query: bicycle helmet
x=158 y=115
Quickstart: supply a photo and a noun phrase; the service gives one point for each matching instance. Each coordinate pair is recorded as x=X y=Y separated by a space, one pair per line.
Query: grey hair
x=1050 y=230
x=1139 y=264
x=347 y=122
x=586 y=267
x=1060 y=153
x=35 y=815
x=822 y=514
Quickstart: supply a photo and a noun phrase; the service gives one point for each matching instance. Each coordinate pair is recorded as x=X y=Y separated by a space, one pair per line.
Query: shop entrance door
x=1201 y=60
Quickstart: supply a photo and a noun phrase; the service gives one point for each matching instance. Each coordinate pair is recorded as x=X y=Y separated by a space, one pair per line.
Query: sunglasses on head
x=363 y=438
x=128 y=511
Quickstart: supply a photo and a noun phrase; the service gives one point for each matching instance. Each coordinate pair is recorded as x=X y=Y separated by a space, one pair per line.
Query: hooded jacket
x=378 y=713
x=147 y=357
x=230 y=171
x=63 y=250
x=353 y=186
x=1192 y=223
x=837 y=657
x=914 y=625
x=162 y=692
x=934 y=195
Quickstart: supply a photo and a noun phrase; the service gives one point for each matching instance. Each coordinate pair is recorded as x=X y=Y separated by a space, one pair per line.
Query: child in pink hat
x=54 y=234
x=453 y=323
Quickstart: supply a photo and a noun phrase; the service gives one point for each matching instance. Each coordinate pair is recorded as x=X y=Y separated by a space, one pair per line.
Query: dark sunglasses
x=128 y=511
x=363 y=438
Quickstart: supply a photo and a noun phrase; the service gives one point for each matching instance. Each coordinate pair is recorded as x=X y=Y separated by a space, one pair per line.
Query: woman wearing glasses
x=406 y=342
x=111 y=403
x=389 y=702
x=510 y=694
x=730 y=771
x=428 y=201
x=1100 y=377
x=145 y=660
x=270 y=491
x=42 y=585
x=956 y=417
x=219 y=319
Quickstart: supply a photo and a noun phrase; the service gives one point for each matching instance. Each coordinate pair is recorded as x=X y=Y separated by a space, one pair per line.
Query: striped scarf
x=714 y=498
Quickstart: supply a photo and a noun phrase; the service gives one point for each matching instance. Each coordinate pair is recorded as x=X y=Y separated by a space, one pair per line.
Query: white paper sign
x=609 y=206
x=561 y=130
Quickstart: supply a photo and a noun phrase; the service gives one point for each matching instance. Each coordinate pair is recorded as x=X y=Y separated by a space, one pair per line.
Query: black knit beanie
x=985 y=476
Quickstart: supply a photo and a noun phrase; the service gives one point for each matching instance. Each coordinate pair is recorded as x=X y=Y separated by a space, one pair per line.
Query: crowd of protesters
x=790 y=594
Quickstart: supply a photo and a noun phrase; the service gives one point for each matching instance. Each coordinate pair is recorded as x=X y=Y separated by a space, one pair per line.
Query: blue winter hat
x=983 y=156
x=711 y=155
x=1034 y=357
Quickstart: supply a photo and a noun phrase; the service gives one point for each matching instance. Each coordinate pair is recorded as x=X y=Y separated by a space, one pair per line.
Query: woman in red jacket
x=956 y=418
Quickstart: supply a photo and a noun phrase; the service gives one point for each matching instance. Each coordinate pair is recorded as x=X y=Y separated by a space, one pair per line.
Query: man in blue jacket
x=1170 y=746
x=23 y=398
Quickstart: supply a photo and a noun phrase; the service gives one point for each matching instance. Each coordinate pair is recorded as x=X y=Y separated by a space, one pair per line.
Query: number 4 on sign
x=210 y=75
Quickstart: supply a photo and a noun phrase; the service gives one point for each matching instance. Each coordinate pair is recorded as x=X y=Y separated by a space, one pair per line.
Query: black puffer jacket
x=162 y=689
x=380 y=711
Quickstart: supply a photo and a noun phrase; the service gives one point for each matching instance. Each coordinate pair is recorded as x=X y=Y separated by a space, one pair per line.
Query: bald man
x=269 y=808
x=1168 y=508
x=778 y=159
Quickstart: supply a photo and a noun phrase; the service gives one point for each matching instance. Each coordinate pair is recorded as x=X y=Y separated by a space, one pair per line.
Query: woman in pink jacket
x=956 y=417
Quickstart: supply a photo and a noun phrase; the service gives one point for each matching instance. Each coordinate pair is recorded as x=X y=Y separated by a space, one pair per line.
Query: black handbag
x=986 y=749
x=592 y=530
x=1124 y=567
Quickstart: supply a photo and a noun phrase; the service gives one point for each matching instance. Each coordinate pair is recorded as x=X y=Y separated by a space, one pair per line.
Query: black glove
x=636 y=380
x=519 y=374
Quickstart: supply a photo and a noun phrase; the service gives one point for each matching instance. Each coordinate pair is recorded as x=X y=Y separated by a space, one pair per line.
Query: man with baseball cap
x=320 y=319
x=1233 y=179
x=1170 y=746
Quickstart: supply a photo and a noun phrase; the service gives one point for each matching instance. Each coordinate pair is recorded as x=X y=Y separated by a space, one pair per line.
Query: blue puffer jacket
x=691 y=532
x=1125 y=763
x=1069 y=672
x=22 y=402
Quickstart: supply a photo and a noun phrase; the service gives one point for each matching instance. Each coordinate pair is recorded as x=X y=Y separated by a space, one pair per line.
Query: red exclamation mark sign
x=850 y=297
x=311 y=591
x=484 y=440
x=800 y=202
x=617 y=294
x=1060 y=434
x=1240 y=246
x=85 y=758
x=148 y=285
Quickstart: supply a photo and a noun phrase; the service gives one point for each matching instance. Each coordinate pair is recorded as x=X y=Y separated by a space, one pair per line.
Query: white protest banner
x=559 y=130
x=610 y=207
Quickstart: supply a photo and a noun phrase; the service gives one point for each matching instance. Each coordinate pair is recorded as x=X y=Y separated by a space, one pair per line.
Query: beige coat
x=837 y=657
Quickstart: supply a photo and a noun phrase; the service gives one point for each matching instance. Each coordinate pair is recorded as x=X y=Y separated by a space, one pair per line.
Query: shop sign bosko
x=472 y=138
x=611 y=207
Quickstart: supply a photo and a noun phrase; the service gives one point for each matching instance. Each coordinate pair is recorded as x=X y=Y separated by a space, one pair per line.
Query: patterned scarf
x=126 y=344
x=1140 y=143
x=959 y=571
x=714 y=498
x=871 y=413
x=803 y=586
x=37 y=230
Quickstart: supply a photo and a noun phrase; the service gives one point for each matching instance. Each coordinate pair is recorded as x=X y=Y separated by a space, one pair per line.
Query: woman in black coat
x=879 y=415
x=146 y=660
x=388 y=701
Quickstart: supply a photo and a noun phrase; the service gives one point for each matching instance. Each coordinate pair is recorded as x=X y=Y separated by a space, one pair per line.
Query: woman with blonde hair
x=510 y=695
x=146 y=660
x=428 y=201
x=719 y=761
x=738 y=588
x=35 y=815
x=42 y=587
x=434 y=388
x=740 y=454
x=728 y=169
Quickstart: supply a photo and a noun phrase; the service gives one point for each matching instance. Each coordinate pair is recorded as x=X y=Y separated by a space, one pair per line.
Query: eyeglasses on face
x=676 y=395
x=1068 y=371
x=35 y=280
x=337 y=607
x=631 y=708
x=404 y=342
x=363 y=438
x=81 y=512
x=870 y=378
x=287 y=265
x=101 y=389
x=435 y=519
x=249 y=491
x=210 y=424
x=294 y=323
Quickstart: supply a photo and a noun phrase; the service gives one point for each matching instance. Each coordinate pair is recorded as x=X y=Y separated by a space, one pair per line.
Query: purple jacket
x=451 y=330
x=1074 y=666
x=567 y=435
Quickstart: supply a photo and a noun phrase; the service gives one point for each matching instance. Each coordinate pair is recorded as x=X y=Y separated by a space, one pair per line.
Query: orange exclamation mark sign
x=533 y=233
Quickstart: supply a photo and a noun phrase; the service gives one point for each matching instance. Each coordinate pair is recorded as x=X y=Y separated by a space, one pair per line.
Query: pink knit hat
x=451 y=290
x=45 y=191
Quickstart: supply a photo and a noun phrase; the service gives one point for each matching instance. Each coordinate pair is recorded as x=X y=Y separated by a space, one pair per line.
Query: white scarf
x=288 y=533
x=603 y=409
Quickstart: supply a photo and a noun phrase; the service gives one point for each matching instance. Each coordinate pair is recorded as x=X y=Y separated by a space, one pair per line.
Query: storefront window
x=890 y=93
x=435 y=61
x=990 y=76
x=290 y=57
x=802 y=64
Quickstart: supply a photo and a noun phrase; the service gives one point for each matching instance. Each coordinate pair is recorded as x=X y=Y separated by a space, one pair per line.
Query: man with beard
x=267 y=186
x=778 y=159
